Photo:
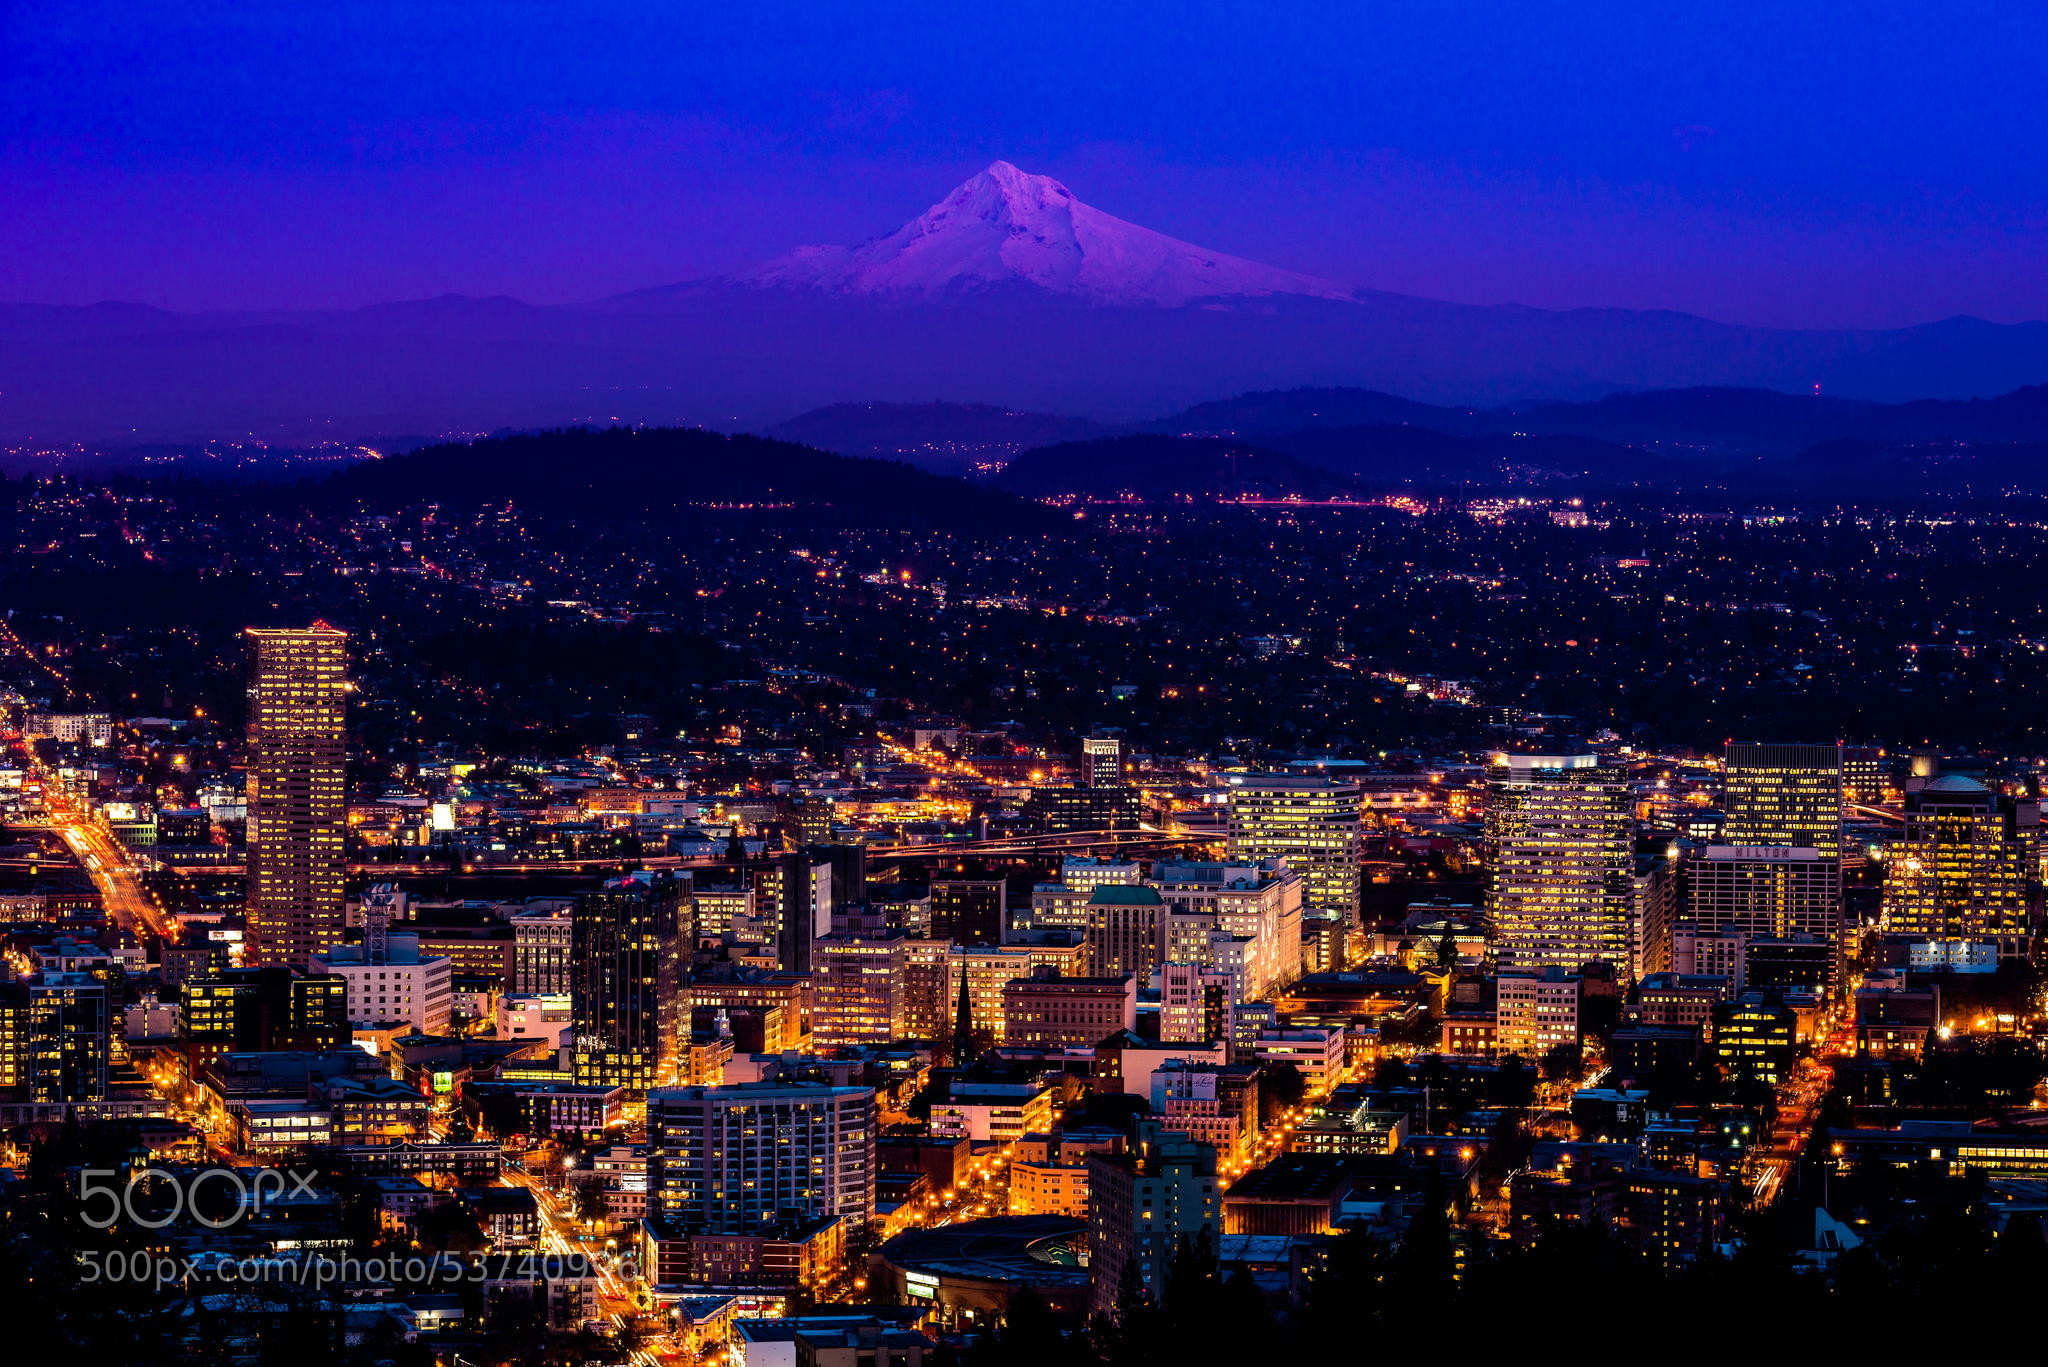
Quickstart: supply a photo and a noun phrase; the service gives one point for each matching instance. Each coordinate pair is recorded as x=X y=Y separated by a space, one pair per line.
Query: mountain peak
x=1005 y=228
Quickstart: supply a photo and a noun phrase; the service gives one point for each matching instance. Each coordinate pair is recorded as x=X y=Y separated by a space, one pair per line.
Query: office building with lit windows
x=1315 y=823
x=1783 y=795
x=1126 y=931
x=859 y=984
x=252 y=1010
x=297 y=793
x=1965 y=867
x=1143 y=1203
x=1561 y=863
x=755 y=1156
x=55 y=1036
x=627 y=995
x=1102 y=761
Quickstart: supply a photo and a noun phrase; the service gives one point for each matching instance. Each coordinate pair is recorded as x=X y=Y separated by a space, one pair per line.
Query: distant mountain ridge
x=1010 y=291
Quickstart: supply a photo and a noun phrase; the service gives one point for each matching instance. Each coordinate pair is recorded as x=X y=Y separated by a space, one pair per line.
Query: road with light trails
x=1799 y=1097
x=106 y=862
x=558 y=1226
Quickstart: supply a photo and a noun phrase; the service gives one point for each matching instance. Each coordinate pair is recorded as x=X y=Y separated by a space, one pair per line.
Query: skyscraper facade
x=1784 y=795
x=1315 y=823
x=1765 y=892
x=1561 y=863
x=627 y=998
x=298 y=798
x=1102 y=761
x=1965 y=865
x=748 y=1157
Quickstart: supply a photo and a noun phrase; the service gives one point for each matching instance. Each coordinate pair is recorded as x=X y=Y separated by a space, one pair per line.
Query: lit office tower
x=1784 y=795
x=1102 y=761
x=1561 y=863
x=1963 y=868
x=1765 y=892
x=759 y=1155
x=1313 y=822
x=298 y=799
x=626 y=994
x=1866 y=774
x=54 y=1038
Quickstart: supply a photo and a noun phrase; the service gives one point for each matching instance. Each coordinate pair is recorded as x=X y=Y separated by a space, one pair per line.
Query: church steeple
x=963 y=1024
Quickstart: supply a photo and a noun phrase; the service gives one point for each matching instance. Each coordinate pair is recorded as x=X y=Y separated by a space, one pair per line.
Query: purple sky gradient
x=1797 y=169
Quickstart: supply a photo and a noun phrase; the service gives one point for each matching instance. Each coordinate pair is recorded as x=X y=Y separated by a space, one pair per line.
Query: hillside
x=626 y=476
x=1155 y=468
x=953 y=438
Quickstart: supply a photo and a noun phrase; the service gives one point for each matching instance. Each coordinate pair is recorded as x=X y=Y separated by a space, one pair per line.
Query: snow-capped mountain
x=1005 y=227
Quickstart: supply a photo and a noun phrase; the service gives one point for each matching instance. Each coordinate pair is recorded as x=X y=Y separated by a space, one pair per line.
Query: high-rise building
x=389 y=979
x=1142 y=1203
x=1108 y=807
x=859 y=985
x=1126 y=931
x=1315 y=823
x=799 y=887
x=1255 y=909
x=1866 y=774
x=1047 y=1011
x=1535 y=1012
x=1964 y=867
x=1755 y=1038
x=298 y=798
x=1561 y=863
x=543 y=938
x=969 y=911
x=1783 y=795
x=1102 y=761
x=1765 y=892
x=55 y=1038
x=755 y=1156
x=1195 y=1004
x=627 y=992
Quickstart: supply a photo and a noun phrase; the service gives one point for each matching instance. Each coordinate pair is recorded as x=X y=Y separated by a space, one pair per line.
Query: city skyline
x=850 y=686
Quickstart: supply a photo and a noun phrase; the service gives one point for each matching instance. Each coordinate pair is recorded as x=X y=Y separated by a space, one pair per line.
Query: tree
x=588 y=1195
x=1281 y=1088
x=1561 y=1062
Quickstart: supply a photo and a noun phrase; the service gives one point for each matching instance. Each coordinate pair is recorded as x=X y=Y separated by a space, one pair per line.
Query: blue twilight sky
x=1798 y=164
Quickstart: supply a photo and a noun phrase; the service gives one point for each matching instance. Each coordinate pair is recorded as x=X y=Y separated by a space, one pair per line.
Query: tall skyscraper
x=627 y=998
x=1783 y=795
x=1561 y=863
x=859 y=985
x=298 y=798
x=1316 y=824
x=1965 y=866
x=753 y=1156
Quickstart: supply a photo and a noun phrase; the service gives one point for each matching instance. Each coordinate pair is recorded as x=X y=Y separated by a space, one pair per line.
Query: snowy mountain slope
x=1005 y=227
